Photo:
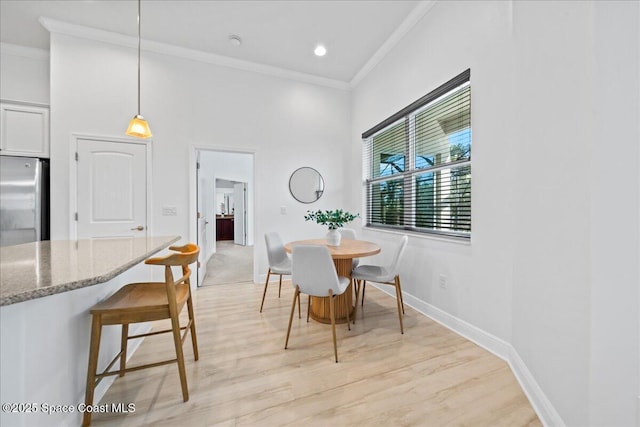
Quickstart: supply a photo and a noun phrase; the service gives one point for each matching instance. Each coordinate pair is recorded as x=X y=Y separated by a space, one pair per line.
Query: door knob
x=139 y=228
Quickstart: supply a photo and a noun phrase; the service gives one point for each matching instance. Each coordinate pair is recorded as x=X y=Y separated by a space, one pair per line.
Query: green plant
x=332 y=219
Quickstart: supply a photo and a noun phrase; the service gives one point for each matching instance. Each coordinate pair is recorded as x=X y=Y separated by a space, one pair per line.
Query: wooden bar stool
x=146 y=302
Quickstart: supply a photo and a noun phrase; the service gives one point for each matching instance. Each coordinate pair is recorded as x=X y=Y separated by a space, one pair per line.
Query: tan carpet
x=230 y=264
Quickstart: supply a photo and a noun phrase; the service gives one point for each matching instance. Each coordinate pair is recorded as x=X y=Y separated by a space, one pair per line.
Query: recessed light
x=320 y=50
x=235 y=40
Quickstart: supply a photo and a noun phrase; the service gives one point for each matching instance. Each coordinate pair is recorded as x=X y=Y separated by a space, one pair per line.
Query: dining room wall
x=550 y=270
x=286 y=123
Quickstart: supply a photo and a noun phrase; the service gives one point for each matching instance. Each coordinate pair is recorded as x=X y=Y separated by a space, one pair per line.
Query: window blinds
x=417 y=164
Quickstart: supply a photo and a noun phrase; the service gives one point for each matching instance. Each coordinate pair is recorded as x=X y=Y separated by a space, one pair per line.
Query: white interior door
x=202 y=243
x=112 y=189
x=201 y=193
x=240 y=213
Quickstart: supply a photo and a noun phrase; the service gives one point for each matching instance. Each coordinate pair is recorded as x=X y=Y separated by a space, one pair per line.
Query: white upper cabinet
x=25 y=130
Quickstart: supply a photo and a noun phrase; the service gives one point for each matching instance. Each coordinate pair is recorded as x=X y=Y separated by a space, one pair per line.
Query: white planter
x=333 y=238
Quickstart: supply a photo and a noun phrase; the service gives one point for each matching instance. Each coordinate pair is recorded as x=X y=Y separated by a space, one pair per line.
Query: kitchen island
x=46 y=291
x=38 y=269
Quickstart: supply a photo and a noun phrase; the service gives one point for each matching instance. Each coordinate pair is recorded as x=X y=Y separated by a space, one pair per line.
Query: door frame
x=193 y=197
x=73 y=176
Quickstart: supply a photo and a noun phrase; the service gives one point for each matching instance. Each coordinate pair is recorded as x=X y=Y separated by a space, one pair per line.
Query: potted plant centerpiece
x=332 y=219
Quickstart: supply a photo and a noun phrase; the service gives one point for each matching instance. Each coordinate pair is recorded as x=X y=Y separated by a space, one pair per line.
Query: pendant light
x=138 y=126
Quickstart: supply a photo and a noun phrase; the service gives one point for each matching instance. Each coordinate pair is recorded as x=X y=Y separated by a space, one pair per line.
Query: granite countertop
x=35 y=270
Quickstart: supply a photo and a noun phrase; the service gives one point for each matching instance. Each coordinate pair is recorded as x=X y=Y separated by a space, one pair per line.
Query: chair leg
x=399 y=302
x=400 y=289
x=279 y=286
x=177 y=341
x=296 y=294
x=364 y=285
x=333 y=324
x=354 y=283
x=123 y=348
x=308 y=306
x=94 y=349
x=192 y=318
x=266 y=284
x=299 y=311
x=346 y=302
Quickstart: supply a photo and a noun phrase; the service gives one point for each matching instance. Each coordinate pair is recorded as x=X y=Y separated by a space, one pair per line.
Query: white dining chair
x=388 y=275
x=279 y=262
x=314 y=274
x=350 y=233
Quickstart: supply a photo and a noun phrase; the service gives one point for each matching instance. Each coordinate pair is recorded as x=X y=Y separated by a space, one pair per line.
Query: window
x=417 y=164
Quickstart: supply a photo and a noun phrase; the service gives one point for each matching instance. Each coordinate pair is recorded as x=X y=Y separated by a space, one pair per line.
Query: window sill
x=433 y=237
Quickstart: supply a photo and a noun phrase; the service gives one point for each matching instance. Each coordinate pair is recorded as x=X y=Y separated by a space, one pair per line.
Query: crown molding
x=24 y=51
x=225 y=61
x=55 y=26
x=66 y=28
x=409 y=22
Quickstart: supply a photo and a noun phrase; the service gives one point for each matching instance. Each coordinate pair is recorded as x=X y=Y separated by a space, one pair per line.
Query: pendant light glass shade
x=138 y=126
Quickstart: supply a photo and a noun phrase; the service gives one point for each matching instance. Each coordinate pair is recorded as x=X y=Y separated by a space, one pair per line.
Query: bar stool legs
x=94 y=349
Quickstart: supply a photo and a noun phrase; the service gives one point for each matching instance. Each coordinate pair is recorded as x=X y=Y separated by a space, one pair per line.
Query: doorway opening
x=225 y=216
x=231 y=211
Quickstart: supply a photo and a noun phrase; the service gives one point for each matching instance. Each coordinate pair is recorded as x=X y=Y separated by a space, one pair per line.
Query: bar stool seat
x=146 y=302
x=139 y=302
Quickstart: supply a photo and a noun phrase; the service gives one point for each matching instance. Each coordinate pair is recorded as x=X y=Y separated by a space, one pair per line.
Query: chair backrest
x=184 y=255
x=395 y=265
x=348 y=233
x=276 y=253
x=313 y=270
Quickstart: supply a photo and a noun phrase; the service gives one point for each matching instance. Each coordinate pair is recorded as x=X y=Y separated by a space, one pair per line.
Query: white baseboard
x=504 y=350
x=541 y=404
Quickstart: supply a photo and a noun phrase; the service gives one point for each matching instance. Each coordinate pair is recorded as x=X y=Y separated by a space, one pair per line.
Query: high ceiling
x=280 y=34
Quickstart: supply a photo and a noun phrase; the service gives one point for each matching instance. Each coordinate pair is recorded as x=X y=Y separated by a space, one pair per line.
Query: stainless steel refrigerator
x=24 y=200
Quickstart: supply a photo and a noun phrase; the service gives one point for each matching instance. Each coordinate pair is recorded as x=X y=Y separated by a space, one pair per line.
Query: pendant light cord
x=139 y=57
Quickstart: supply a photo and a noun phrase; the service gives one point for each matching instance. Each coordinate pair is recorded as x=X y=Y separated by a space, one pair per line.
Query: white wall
x=24 y=74
x=615 y=216
x=287 y=124
x=551 y=268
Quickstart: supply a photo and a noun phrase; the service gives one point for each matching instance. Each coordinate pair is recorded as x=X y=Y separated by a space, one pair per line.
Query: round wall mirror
x=306 y=185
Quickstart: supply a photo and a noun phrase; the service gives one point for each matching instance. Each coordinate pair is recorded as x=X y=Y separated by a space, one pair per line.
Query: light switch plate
x=169 y=211
x=283 y=210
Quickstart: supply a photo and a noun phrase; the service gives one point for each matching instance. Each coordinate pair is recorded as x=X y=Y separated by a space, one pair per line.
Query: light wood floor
x=427 y=377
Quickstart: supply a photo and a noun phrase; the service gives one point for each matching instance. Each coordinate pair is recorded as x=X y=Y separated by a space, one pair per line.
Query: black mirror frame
x=318 y=192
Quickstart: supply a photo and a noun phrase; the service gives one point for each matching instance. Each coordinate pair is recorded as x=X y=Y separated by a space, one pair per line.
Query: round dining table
x=342 y=256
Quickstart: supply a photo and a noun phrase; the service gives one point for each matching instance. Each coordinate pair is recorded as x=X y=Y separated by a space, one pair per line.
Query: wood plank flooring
x=427 y=377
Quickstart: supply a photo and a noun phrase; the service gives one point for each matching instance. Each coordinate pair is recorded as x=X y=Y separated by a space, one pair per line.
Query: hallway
x=230 y=264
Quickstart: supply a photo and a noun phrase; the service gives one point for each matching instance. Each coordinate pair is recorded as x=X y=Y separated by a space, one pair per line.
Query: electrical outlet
x=283 y=210
x=443 y=281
